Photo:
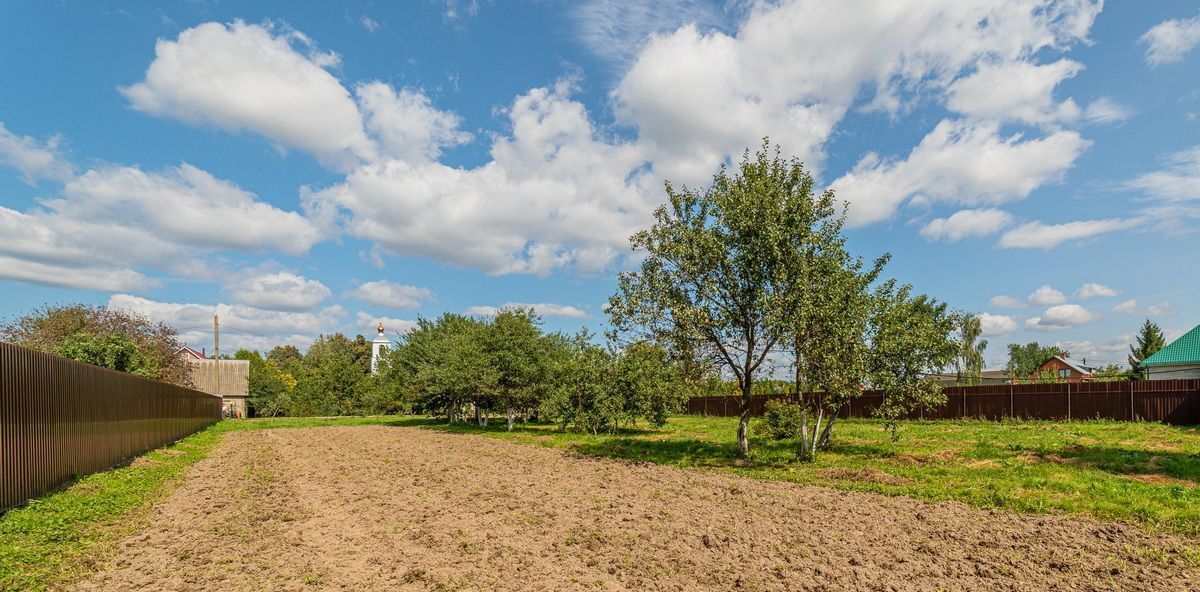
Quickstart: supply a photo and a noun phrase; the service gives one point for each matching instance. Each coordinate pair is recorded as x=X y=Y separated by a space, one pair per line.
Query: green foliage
x=782 y=419
x=757 y=263
x=1111 y=373
x=517 y=351
x=968 y=363
x=284 y=356
x=1149 y=340
x=443 y=365
x=909 y=336
x=271 y=387
x=114 y=351
x=581 y=397
x=1023 y=360
x=726 y=269
x=106 y=337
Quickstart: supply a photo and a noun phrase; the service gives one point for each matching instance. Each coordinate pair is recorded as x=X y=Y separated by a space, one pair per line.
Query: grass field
x=1142 y=473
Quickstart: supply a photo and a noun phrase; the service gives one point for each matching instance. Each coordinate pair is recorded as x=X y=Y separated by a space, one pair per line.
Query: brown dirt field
x=383 y=508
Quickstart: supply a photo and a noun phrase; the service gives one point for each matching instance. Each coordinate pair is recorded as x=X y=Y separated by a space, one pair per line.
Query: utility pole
x=217 y=352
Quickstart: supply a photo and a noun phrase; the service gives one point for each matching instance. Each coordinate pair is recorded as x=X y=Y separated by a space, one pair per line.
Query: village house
x=229 y=379
x=1063 y=369
x=1179 y=359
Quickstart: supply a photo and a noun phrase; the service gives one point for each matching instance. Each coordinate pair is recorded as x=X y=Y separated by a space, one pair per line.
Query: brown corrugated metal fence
x=60 y=419
x=1169 y=401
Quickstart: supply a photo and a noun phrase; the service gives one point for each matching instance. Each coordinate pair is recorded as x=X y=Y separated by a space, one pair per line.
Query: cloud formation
x=391 y=295
x=33 y=159
x=1093 y=290
x=544 y=309
x=1168 y=41
x=966 y=223
x=1046 y=295
x=1063 y=316
x=282 y=291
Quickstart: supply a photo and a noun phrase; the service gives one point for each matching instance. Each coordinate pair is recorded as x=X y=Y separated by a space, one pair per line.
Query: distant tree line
x=475 y=368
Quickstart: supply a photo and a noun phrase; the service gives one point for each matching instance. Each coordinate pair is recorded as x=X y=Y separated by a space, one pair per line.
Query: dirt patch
x=1160 y=479
x=864 y=475
x=142 y=462
x=388 y=508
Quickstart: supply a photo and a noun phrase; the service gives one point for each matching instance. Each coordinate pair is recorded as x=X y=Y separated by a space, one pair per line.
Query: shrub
x=782 y=419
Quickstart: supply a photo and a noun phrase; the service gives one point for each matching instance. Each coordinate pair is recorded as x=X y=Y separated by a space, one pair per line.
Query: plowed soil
x=385 y=508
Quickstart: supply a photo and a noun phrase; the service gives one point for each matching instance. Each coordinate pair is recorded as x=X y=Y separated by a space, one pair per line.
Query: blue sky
x=311 y=167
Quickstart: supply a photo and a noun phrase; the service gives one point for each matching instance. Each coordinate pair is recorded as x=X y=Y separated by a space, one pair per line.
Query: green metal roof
x=1185 y=350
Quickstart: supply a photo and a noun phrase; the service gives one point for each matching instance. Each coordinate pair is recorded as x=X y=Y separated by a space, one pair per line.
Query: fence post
x=1012 y=411
x=1131 y=416
x=1068 y=401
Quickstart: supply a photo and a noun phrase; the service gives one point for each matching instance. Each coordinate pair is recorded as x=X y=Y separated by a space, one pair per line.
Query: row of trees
x=332 y=378
x=454 y=365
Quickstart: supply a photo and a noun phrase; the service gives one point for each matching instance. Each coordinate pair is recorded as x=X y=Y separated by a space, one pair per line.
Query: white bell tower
x=378 y=346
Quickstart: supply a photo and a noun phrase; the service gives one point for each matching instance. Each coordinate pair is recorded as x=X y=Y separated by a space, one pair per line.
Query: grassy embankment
x=1141 y=472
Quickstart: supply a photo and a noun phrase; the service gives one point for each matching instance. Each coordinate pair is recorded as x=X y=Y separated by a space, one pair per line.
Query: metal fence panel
x=60 y=419
x=1174 y=402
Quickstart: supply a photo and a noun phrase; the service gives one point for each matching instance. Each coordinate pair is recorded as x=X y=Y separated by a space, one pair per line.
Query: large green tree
x=517 y=351
x=720 y=266
x=443 y=366
x=1023 y=360
x=1149 y=340
x=888 y=338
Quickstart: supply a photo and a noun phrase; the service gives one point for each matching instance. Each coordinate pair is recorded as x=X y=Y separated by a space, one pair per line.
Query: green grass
x=1138 y=472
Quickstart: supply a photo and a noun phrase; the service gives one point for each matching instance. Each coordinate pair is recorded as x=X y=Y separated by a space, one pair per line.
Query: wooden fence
x=60 y=419
x=1169 y=401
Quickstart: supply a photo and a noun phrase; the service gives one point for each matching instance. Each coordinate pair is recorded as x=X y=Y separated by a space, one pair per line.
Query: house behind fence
x=61 y=419
x=228 y=379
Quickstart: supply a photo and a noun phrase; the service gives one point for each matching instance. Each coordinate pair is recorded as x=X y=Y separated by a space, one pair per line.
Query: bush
x=782 y=419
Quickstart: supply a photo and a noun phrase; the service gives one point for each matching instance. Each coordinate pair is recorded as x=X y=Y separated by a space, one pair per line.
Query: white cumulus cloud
x=1038 y=235
x=266 y=79
x=958 y=162
x=369 y=323
x=33 y=159
x=544 y=309
x=281 y=290
x=391 y=295
x=242 y=326
x=966 y=223
x=1003 y=301
x=556 y=194
x=1046 y=295
x=1093 y=290
x=992 y=325
x=1169 y=41
x=1063 y=316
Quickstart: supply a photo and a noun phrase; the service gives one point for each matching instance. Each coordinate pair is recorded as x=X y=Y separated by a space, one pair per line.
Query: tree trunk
x=743 y=434
x=478 y=416
x=510 y=418
x=805 y=454
x=825 y=435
